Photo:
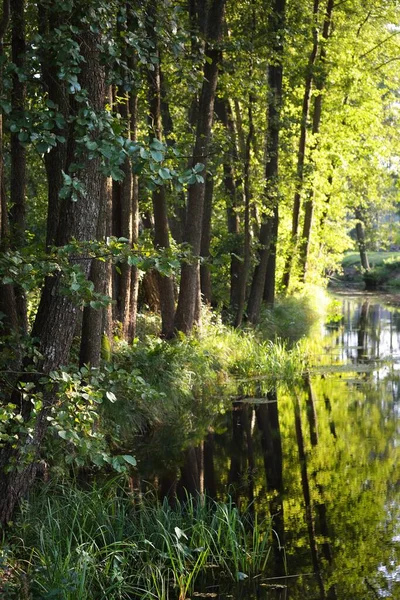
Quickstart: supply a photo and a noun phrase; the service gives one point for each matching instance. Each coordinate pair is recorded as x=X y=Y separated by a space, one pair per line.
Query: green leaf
x=63 y=434
x=156 y=155
x=198 y=167
x=42 y=147
x=129 y=459
x=23 y=136
x=164 y=173
x=156 y=144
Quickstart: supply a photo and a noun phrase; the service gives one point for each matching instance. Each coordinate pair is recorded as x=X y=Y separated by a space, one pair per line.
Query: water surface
x=323 y=459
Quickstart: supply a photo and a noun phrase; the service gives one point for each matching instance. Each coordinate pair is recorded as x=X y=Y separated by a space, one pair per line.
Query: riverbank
x=383 y=274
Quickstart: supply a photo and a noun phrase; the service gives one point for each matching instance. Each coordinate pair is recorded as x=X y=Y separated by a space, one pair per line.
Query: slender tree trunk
x=57 y=315
x=232 y=185
x=269 y=228
x=3 y=205
x=122 y=219
x=159 y=196
x=275 y=73
x=301 y=153
x=184 y=318
x=319 y=85
x=361 y=240
x=244 y=271
x=205 y=275
x=18 y=152
x=56 y=89
x=7 y=297
x=133 y=103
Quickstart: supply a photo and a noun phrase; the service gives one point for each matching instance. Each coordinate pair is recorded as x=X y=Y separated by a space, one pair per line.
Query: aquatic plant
x=75 y=544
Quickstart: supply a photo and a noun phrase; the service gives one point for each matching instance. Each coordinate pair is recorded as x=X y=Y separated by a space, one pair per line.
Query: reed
x=74 y=544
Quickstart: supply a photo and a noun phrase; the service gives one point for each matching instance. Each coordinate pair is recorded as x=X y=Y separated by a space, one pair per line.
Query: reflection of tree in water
x=362 y=341
x=271 y=444
x=324 y=464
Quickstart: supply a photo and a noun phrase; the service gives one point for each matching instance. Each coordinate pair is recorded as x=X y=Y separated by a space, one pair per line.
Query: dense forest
x=173 y=164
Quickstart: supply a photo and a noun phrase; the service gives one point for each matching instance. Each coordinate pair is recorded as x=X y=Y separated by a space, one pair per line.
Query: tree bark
x=361 y=240
x=133 y=308
x=269 y=227
x=18 y=152
x=56 y=89
x=244 y=271
x=57 y=315
x=159 y=197
x=184 y=318
x=7 y=296
x=232 y=185
x=301 y=153
x=93 y=319
x=319 y=85
x=205 y=275
x=3 y=204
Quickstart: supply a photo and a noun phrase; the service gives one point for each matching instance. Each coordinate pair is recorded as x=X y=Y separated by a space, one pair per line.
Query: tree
x=58 y=313
x=189 y=284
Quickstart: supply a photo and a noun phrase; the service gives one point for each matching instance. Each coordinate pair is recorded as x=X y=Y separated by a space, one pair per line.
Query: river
x=323 y=459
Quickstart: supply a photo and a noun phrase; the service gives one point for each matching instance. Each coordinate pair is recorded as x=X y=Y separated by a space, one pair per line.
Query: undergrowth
x=106 y=544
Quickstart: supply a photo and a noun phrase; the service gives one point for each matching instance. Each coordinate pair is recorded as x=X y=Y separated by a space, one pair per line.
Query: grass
x=105 y=544
x=352 y=259
x=384 y=270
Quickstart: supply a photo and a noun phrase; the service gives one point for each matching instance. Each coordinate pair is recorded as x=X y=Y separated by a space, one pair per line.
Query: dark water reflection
x=324 y=461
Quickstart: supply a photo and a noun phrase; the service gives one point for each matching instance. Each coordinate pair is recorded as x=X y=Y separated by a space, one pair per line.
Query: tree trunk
x=205 y=275
x=361 y=240
x=244 y=272
x=7 y=296
x=92 y=323
x=55 y=159
x=301 y=153
x=319 y=85
x=159 y=197
x=3 y=205
x=269 y=227
x=133 y=107
x=57 y=315
x=232 y=185
x=184 y=318
x=18 y=152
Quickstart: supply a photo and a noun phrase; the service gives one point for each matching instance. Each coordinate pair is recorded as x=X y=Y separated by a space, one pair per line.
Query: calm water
x=324 y=460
